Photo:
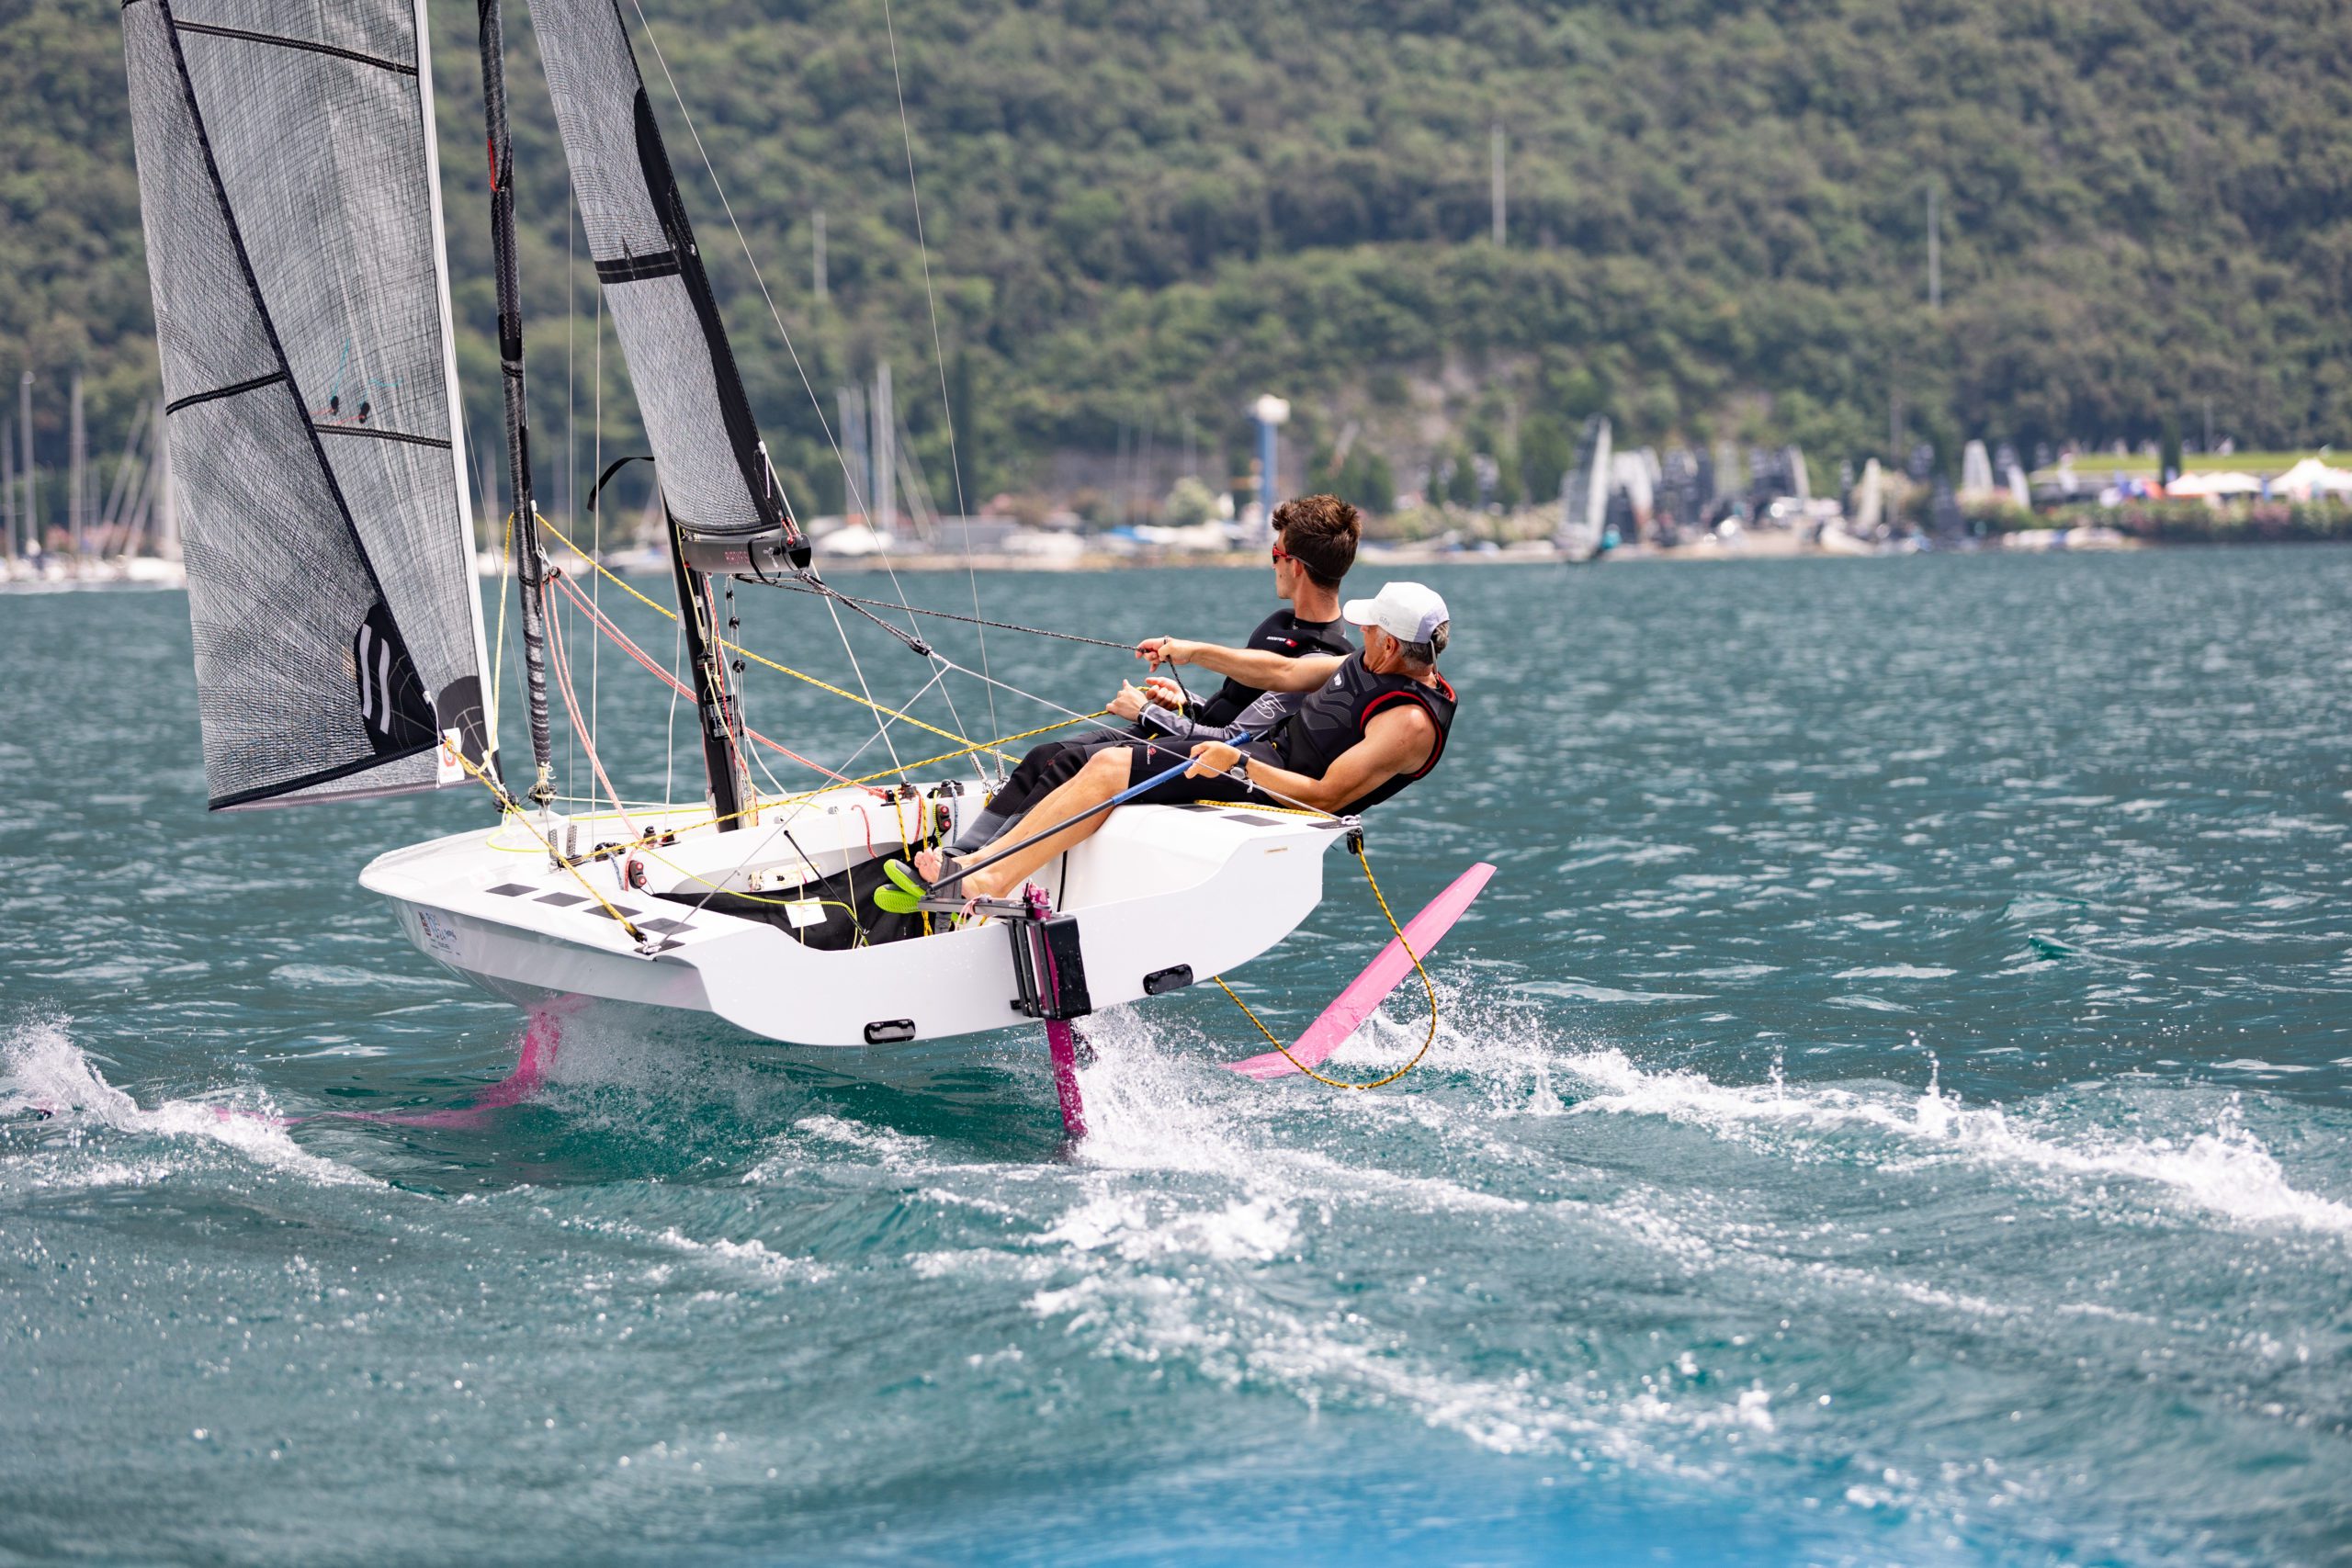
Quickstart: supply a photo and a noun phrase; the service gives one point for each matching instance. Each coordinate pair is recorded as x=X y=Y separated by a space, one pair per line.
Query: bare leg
x=1104 y=775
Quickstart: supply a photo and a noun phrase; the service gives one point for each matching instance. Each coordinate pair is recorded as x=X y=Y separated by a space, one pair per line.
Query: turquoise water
x=1890 y=1105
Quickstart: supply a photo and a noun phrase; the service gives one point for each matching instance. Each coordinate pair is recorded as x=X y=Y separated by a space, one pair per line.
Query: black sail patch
x=394 y=708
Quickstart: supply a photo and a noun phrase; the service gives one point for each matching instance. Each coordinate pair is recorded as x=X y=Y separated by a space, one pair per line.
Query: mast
x=32 y=495
x=78 y=473
x=531 y=564
x=167 y=513
x=722 y=748
x=885 y=452
x=8 y=490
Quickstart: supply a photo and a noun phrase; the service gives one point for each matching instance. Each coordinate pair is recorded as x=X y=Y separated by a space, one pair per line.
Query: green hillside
x=1141 y=213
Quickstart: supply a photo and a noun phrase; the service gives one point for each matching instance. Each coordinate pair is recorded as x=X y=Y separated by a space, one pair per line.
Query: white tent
x=2311 y=478
x=2213 y=486
x=849 y=540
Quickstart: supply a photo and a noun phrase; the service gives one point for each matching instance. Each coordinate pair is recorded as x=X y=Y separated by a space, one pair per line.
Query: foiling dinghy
x=290 y=186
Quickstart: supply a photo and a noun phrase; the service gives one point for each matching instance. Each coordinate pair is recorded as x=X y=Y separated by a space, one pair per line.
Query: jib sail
x=716 y=480
x=287 y=179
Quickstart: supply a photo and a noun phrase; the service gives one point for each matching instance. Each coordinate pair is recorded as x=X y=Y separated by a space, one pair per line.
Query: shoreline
x=1748 y=548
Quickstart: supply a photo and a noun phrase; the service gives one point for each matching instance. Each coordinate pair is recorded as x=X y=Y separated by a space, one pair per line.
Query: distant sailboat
x=1583 y=494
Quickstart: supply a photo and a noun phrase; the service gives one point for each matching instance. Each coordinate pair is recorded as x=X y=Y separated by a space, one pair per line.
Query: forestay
x=289 y=183
x=715 y=478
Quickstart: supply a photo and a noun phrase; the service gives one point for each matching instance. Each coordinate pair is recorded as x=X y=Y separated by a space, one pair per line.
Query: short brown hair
x=1320 y=533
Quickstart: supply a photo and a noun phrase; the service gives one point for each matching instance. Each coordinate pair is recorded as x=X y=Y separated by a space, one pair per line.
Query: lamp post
x=1272 y=413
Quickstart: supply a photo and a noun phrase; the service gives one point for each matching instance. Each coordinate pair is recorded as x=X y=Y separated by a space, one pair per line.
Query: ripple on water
x=1890 y=1105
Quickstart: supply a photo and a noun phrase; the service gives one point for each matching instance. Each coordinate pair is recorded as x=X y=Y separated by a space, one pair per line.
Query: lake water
x=1890 y=1105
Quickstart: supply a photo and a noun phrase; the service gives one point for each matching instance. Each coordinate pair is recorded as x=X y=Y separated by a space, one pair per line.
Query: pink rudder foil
x=1063 y=1040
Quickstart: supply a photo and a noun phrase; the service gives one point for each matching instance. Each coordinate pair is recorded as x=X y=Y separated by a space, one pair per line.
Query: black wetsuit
x=1282 y=632
x=1048 y=766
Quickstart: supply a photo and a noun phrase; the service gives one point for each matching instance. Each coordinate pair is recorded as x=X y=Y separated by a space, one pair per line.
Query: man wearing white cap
x=1372 y=723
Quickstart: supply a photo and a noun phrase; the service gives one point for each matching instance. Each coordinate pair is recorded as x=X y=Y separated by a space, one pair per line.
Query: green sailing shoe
x=905 y=893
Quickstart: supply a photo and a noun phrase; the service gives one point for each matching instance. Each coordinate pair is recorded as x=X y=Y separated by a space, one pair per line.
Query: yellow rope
x=996 y=745
x=513 y=810
x=1427 y=985
x=759 y=805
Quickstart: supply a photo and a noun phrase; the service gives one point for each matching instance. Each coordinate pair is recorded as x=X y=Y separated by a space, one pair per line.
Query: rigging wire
x=938 y=355
x=670 y=729
x=967 y=750
x=678 y=688
x=763 y=660
x=494 y=699
x=562 y=664
x=570 y=315
x=509 y=807
x=596 y=540
x=795 y=805
x=859 y=671
x=498 y=654
x=794 y=586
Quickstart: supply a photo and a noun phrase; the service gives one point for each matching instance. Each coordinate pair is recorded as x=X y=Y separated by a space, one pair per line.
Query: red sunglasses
x=1279 y=554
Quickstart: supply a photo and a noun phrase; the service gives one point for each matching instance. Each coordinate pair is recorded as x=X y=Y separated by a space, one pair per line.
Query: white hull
x=1159 y=888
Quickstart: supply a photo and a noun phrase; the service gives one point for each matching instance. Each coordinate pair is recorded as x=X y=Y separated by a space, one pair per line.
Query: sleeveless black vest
x=1333 y=716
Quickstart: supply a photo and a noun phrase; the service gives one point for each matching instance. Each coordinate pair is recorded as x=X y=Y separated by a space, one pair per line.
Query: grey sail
x=730 y=514
x=288 y=182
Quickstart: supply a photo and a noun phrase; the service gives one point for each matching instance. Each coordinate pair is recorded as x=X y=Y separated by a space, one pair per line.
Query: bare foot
x=929 y=864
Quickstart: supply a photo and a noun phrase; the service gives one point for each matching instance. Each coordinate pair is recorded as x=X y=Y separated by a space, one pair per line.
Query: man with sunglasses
x=1315 y=544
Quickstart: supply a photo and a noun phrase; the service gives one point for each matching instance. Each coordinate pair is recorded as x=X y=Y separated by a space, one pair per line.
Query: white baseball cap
x=1406 y=611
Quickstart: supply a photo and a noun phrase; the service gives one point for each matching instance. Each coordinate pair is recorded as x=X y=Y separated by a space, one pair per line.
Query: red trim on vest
x=1364 y=721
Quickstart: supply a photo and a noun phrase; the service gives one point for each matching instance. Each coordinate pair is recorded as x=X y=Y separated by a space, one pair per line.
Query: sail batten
x=716 y=480
x=284 y=159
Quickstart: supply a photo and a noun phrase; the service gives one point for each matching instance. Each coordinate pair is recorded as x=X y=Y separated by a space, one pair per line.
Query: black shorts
x=1048 y=766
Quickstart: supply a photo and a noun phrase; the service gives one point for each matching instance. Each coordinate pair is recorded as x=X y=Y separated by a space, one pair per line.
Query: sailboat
x=1584 y=495
x=290 y=191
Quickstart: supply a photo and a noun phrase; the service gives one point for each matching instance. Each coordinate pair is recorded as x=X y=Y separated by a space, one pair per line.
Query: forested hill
x=1148 y=211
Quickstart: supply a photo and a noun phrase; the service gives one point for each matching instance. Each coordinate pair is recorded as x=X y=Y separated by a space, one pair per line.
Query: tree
x=1546 y=451
x=1462 y=485
x=1117 y=230
x=1189 y=501
x=1365 y=480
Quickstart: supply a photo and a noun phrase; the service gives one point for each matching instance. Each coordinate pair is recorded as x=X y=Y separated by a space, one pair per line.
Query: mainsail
x=721 y=491
x=288 y=182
